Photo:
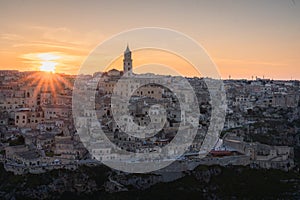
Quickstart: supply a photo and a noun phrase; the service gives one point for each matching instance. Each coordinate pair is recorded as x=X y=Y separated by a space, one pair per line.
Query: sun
x=48 y=66
x=48 y=62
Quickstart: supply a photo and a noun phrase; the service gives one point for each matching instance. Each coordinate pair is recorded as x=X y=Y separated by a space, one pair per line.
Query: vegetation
x=18 y=141
x=49 y=153
x=228 y=183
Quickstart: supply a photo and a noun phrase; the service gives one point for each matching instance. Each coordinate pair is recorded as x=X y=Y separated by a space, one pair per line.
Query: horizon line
x=238 y=78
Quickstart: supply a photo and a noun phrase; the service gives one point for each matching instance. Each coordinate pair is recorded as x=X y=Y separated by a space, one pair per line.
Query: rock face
x=206 y=175
x=85 y=181
x=206 y=182
x=52 y=184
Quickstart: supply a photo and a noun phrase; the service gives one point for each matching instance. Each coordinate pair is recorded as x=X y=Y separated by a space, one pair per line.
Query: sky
x=243 y=38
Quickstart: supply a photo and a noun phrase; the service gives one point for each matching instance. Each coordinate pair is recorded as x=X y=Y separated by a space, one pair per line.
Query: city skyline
x=244 y=39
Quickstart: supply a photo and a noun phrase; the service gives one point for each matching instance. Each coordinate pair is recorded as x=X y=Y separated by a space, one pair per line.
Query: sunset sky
x=244 y=38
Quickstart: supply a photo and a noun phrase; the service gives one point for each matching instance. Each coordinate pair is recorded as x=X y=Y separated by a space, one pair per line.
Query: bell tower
x=127 y=61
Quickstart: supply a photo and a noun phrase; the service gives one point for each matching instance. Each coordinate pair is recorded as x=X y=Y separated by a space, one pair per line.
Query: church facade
x=110 y=79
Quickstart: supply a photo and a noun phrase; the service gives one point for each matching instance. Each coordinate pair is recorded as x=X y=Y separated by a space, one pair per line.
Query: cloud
x=65 y=62
x=241 y=63
x=64 y=35
x=10 y=37
x=50 y=45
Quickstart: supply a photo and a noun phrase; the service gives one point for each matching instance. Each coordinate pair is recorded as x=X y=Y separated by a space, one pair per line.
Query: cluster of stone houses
x=42 y=116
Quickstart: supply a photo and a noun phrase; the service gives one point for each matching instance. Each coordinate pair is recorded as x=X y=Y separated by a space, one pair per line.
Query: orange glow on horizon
x=152 y=60
x=70 y=62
